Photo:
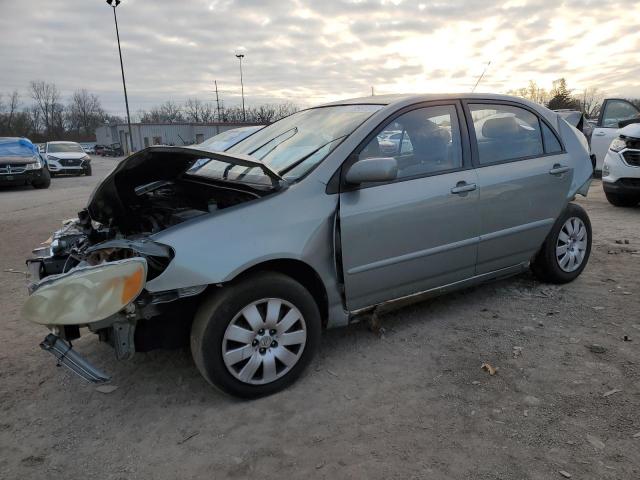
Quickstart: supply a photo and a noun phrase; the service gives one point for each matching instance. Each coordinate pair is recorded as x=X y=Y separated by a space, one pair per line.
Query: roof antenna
x=480 y=78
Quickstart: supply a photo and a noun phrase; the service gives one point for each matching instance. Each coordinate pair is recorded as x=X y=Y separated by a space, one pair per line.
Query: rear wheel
x=566 y=250
x=255 y=337
x=621 y=200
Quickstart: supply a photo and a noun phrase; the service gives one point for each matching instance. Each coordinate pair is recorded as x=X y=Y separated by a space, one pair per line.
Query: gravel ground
x=412 y=404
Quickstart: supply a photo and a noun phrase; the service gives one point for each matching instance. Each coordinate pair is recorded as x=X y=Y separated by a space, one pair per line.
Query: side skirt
x=396 y=303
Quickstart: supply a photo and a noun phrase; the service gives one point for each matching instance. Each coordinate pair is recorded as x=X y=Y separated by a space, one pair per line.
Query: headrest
x=500 y=127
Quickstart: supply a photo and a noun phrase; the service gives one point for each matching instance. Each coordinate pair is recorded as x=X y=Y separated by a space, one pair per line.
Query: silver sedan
x=248 y=254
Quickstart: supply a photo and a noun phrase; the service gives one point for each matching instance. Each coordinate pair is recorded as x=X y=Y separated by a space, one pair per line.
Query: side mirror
x=384 y=169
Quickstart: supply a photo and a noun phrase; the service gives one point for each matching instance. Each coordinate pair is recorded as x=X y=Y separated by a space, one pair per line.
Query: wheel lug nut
x=274 y=344
x=254 y=343
x=272 y=331
x=262 y=351
x=261 y=331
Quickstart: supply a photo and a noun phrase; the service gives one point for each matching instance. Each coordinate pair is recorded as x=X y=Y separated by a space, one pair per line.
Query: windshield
x=64 y=148
x=224 y=140
x=292 y=146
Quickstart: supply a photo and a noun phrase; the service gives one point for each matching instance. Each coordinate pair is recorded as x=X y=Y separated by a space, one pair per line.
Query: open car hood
x=159 y=163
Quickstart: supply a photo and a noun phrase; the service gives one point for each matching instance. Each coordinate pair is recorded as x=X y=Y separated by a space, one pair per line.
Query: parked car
x=578 y=120
x=226 y=139
x=304 y=226
x=621 y=168
x=89 y=148
x=21 y=164
x=614 y=114
x=99 y=149
x=67 y=158
x=113 y=150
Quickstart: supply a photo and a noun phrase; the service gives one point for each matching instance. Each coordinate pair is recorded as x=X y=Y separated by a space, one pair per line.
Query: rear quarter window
x=551 y=142
x=505 y=133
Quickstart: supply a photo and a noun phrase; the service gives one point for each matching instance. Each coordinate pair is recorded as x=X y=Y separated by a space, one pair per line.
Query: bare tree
x=532 y=92
x=591 y=102
x=85 y=112
x=47 y=99
x=197 y=111
x=13 y=104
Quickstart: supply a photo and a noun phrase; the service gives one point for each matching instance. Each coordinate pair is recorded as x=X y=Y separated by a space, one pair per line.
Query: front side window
x=423 y=141
x=617 y=111
x=505 y=133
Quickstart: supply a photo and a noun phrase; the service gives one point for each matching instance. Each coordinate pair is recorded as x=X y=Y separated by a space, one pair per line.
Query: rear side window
x=505 y=133
x=551 y=142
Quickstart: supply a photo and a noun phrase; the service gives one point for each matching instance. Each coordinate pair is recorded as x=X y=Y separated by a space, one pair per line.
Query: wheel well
x=300 y=272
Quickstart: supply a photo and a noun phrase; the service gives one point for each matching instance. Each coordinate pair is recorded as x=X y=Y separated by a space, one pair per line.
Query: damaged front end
x=93 y=271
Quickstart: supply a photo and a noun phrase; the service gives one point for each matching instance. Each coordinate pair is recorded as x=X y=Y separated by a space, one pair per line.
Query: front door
x=613 y=111
x=523 y=178
x=420 y=231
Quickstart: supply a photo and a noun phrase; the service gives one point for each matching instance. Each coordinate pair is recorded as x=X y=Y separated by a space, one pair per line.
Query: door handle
x=559 y=169
x=463 y=187
x=599 y=134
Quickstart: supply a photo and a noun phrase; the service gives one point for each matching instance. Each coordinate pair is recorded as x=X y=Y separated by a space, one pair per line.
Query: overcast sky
x=308 y=51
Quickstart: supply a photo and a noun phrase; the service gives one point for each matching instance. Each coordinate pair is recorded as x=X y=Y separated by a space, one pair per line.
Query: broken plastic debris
x=106 y=388
x=488 y=368
x=611 y=392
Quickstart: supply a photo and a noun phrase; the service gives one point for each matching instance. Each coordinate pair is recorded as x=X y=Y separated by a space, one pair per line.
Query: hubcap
x=571 y=245
x=264 y=341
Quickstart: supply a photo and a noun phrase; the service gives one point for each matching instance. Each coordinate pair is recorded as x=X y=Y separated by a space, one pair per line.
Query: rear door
x=523 y=176
x=420 y=231
x=613 y=111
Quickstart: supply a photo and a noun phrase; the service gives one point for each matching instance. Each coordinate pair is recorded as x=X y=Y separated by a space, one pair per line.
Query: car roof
x=397 y=101
x=424 y=97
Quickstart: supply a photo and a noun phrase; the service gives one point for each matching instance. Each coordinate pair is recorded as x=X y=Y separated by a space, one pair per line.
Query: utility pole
x=113 y=4
x=218 y=101
x=240 y=56
x=372 y=94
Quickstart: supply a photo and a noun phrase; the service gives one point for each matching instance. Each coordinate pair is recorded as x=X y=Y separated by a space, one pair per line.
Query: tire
x=87 y=171
x=571 y=246
x=44 y=182
x=218 y=357
x=621 y=200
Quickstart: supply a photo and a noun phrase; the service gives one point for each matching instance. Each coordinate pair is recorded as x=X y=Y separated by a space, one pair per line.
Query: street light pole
x=240 y=56
x=113 y=4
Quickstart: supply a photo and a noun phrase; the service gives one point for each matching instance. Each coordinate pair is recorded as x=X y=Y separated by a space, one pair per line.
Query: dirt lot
x=413 y=404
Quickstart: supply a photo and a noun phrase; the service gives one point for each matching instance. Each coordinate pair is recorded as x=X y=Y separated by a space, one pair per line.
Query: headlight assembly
x=86 y=294
x=618 y=144
x=37 y=165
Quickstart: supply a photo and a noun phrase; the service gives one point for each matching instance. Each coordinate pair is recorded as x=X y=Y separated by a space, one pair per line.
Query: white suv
x=621 y=168
x=614 y=114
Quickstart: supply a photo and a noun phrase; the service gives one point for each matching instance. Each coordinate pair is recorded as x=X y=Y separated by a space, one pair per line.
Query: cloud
x=309 y=51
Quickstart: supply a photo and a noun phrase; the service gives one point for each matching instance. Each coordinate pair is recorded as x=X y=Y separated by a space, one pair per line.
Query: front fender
x=295 y=224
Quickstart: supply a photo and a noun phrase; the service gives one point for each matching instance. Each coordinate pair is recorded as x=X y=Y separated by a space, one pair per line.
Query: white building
x=147 y=134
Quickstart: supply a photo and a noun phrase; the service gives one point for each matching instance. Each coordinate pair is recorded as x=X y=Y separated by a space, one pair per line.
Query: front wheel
x=87 y=170
x=45 y=180
x=255 y=337
x=565 y=252
x=620 y=200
